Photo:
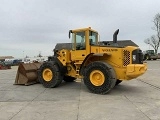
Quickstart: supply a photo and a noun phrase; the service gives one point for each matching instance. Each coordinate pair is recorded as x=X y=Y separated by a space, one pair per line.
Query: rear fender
x=84 y=64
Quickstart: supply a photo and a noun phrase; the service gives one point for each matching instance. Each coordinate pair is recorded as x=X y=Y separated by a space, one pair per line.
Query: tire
x=148 y=57
x=118 y=82
x=145 y=57
x=99 y=77
x=68 y=79
x=49 y=75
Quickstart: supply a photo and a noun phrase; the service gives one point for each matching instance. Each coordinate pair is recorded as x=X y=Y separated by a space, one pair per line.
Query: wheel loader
x=149 y=54
x=100 y=66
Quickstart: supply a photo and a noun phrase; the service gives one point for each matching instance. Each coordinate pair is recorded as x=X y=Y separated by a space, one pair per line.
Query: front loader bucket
x=27 y=73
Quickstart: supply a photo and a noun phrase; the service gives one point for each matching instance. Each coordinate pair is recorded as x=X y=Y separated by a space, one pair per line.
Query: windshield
x=93 y=38
x=151 y=51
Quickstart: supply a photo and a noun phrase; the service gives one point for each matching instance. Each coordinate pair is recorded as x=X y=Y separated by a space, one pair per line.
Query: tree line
x=154 y=40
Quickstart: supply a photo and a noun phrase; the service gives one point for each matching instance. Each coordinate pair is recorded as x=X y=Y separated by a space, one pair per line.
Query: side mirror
x=70 y=31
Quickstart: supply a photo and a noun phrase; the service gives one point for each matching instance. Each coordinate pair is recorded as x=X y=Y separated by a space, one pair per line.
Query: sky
x=30 y=27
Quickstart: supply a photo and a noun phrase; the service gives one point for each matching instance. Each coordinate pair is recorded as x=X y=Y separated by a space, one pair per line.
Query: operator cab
x=81 y=38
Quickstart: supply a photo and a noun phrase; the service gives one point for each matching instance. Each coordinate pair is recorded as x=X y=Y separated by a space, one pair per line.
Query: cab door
x=78 y=52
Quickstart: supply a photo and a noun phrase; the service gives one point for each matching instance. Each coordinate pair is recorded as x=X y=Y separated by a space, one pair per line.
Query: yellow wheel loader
x=100 y=66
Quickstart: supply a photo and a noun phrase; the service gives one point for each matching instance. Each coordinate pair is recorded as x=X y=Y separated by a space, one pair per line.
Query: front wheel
x=99 y=77
x=148 y=58
x=49 y=75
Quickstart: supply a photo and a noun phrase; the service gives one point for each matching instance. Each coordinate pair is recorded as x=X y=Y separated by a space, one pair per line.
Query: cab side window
x=93 y=38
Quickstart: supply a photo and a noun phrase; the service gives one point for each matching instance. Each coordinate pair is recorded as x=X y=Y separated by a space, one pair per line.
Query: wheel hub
x=97 y=78
x=47 y=74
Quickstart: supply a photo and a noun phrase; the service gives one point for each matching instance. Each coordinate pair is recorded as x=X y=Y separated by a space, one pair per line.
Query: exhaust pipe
x=115 y=37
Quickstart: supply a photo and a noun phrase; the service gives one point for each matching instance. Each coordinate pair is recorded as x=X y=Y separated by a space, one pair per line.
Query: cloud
x=37 y=25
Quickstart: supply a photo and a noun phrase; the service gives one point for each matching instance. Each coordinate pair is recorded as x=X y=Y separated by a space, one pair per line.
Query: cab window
x=93 y=38
x=79 y=39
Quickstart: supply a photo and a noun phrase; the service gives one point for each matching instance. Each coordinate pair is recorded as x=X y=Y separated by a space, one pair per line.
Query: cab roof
x=83 y=29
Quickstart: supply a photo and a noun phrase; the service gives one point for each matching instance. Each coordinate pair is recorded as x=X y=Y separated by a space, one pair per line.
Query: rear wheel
x=99 y=77
x=145 y=57
x=49 y=75
x=68 y=79
x=148 y=58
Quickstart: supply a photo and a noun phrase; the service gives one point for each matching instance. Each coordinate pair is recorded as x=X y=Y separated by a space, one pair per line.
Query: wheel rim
x=97 y=78
x=47 y=74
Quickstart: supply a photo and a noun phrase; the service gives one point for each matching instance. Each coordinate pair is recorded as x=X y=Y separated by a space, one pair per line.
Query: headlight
x=134 y=57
